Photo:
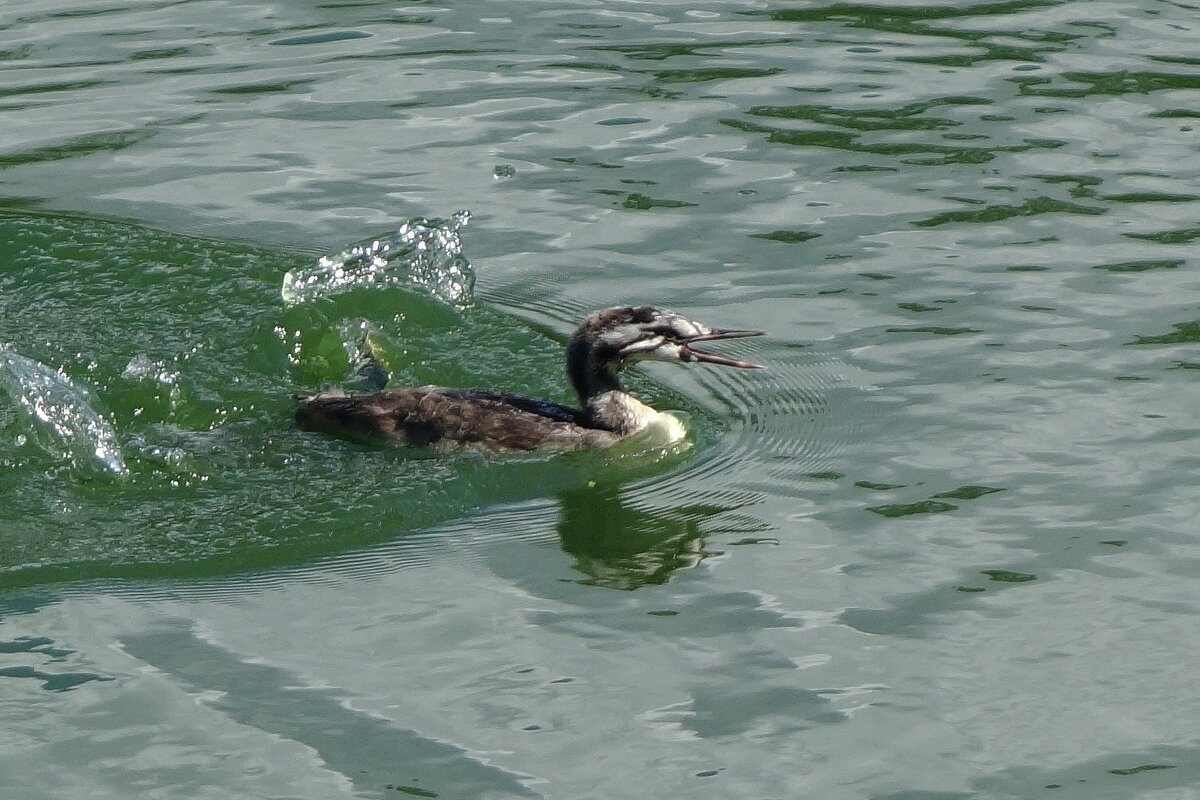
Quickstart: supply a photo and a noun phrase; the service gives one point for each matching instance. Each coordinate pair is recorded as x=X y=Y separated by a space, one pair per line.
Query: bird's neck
x=619 y=411
x=606 y=404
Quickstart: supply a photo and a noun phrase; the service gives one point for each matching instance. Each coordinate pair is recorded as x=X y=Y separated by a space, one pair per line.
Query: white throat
x=630 y=416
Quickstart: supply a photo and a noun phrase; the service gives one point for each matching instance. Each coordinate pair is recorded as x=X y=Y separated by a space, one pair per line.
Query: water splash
x=66 y=426
x=426 y=253
x=141 y=368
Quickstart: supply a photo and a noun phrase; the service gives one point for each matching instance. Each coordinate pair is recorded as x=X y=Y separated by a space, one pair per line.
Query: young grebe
x=605 y=343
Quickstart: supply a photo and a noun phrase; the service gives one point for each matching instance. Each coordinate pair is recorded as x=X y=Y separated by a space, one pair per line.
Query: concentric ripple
x=782 y=425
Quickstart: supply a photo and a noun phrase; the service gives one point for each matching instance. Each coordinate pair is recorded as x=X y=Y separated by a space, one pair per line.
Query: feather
x=447 y=418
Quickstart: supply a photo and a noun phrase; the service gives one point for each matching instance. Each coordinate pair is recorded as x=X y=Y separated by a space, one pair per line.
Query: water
x=426 y=254
x=60 y=415
x=943 y=547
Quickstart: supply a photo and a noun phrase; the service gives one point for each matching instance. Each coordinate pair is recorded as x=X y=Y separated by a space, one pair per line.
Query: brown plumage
x=440 y=417
x=446 y=418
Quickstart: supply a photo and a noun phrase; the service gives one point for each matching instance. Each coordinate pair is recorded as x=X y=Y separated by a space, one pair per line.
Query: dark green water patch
x=1150 y=197
x=415 y=791
x=1184 y=333
x=1111 y=83
x=641 y=202
x=989 y=53
x=590 y=66
x=78 y=147
x=1081 y=185
x=1034 y=206
x=184 y=347
x=907 y=118
x=787 y=237
x=52 y=681
x=702 y=75
x=934 y=153
x=661 y=51
x=1177 y=113
x=1142 y=266
x=155 y=53
x=1008 y=576
x=754 y=540
x=1179 y=236
x=1141 y=768
x=263 y=88
x=17 y=53
x=50 y=88
x=981 y=44
x=968 y=492
x=911 y=509
x=879 y=487
x=900 y=18
x=836 y=139
x=1190 y=61
x=322 y=38
x=936 y=330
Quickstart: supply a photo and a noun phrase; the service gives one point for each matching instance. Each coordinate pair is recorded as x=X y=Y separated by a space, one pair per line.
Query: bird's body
x=446 y=418
x=449 y=418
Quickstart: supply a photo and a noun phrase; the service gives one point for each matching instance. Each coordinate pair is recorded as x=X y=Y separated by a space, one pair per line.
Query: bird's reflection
x=620 y=546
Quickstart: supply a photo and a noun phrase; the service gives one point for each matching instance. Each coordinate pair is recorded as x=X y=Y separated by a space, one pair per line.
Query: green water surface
x=944 y=546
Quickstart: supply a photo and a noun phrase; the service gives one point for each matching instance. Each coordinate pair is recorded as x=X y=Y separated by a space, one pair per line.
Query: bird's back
x=450 y=418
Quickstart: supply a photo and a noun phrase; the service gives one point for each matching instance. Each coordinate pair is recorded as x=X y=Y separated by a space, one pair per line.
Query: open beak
x=689 y=353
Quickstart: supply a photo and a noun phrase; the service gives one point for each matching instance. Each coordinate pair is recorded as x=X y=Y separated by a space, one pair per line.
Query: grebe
x=604 y=343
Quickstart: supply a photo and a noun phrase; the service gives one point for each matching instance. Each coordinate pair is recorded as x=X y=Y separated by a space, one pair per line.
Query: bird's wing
x=435 y=415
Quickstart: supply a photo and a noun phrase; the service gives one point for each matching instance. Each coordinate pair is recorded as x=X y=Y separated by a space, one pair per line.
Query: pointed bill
x=712 y=358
